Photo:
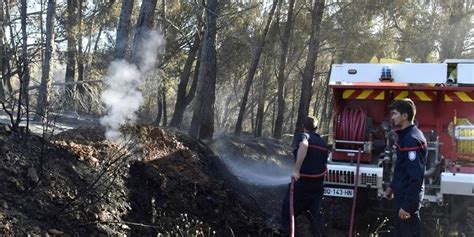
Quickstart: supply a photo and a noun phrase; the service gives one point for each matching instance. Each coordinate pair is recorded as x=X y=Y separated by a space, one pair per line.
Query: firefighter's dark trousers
x=410 y=227
x=307 y=198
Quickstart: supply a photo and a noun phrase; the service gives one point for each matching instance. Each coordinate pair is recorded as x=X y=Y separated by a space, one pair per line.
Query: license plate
x=339 y=192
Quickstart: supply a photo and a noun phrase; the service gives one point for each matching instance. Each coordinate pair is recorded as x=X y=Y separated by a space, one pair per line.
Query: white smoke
x=57 y=72
x=151 y=44
x=122 y=96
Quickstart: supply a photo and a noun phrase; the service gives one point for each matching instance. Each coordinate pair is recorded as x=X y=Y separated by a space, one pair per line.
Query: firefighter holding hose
x=306 y=189
x=408 y=178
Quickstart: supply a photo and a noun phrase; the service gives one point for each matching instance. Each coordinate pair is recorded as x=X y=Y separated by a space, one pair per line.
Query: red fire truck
x=362 y=127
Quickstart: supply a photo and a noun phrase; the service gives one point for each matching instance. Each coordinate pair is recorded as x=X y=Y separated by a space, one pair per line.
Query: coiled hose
x=350 y=126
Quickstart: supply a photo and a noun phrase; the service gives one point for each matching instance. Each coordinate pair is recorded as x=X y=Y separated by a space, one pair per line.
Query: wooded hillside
x=253 y=67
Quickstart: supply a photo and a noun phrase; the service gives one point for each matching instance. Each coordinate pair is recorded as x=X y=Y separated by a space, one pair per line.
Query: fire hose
x=350 y=124
x=354 y=200
x=292 y=190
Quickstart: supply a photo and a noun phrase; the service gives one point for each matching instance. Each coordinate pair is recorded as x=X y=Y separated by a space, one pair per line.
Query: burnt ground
x=160 y=181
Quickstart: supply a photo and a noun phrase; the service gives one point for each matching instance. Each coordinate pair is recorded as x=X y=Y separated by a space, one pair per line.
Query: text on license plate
x=339 y=192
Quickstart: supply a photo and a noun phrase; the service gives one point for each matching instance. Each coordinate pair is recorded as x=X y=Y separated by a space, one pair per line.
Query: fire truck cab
x=444 y=97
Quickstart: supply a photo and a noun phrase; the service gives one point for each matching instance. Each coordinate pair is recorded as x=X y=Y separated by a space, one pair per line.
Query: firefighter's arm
x=300 y=155
x=415 y=172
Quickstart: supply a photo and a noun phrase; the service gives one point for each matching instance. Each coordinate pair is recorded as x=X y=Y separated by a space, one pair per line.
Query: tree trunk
x=97 y=39
x=7 y=72
x=145 y=23
x=253 y=69
x=123 y=30
x=80 y=53
x=261 y=101
x=192 y=90
x=163 y=97
x=326 y=118
x=305 y=99
x=71 y=53
x=23 y=70
x=4 y=52
x=161 y=107
x=285 y=41
x=202 y=123
x=293 y=102
x=160 y=111
x=163 y=17
x=273 y=111
x=161 y=91
x=253 y=103
x=3 y=58
x=182 y=97
x=43 y=98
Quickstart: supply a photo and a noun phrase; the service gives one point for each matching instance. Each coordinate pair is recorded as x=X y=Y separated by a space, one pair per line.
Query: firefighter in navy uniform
x=408 y=179
x=311 y=157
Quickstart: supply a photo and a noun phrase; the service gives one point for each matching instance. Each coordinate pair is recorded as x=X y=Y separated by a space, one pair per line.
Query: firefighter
x=408 y=178
x=311 y=156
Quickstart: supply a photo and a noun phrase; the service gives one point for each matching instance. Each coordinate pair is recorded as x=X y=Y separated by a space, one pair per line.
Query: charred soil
x=157 y=181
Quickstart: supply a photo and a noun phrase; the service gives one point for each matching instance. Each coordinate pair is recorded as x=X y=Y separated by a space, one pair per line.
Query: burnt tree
x=145 y=23
x=253 y=68
x=285 y=41
x=183 y=97
x=202 y=123
x=308 y=73
x=123 y=30
x=71 y=52
x=43 y=97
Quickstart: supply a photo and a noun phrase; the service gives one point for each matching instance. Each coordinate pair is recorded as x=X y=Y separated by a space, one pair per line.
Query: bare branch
x=60 y=84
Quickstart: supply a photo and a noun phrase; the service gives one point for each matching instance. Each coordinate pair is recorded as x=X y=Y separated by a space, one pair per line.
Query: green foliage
x=351 y=31
x=417 y=27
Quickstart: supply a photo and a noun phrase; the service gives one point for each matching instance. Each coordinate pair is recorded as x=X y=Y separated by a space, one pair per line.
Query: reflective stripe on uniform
x=411 y=148
x=318 y=147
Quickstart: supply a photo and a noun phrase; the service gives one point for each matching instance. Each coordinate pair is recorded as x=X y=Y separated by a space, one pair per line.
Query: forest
x=252 y=67
x=173 y=71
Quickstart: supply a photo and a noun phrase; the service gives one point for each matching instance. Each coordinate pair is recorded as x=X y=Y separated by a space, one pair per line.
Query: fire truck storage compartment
x=444 y=113
x=453 y=117
x=464 y=133
x=354 y=121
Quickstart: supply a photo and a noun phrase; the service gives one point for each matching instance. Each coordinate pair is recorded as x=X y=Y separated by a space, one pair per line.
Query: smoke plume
x=122 y=96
